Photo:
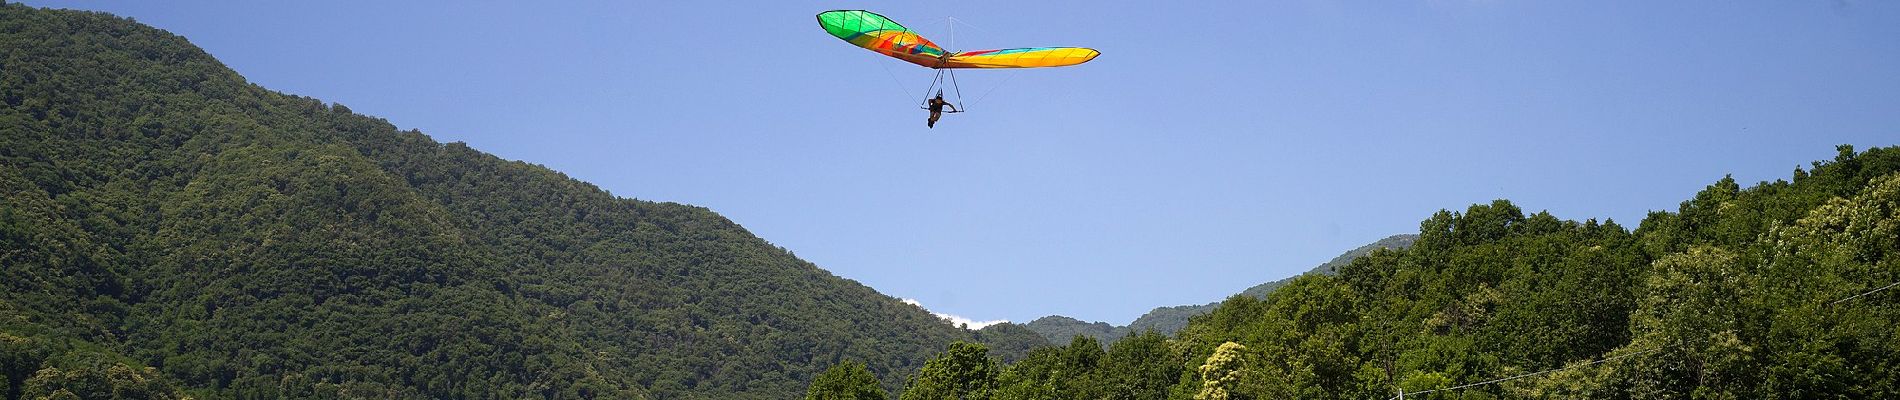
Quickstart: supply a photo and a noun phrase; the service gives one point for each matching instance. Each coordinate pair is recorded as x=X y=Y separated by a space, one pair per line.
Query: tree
x=848 y=380
x=1067 y=372
x=1141 y=367
x=97 y=376
x=1223 y=371
x=964 y=372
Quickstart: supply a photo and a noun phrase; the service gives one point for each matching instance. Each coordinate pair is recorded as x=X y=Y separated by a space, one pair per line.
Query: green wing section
x=876 y=33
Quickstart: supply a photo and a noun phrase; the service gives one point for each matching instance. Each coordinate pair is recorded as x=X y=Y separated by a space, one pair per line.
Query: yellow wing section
x=1028 y=57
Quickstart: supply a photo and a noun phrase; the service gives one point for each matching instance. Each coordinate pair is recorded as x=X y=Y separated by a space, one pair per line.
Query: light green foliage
x=1224 y=370
x=1579 y=380
x=1694 y=304
x=848 y=380
x=98 y=380
x=1763 y=323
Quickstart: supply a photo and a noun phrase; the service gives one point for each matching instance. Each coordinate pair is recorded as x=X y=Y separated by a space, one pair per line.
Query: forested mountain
x=1782 y=290
x=1167 y=320
x=169 y=229
x=1060 y=329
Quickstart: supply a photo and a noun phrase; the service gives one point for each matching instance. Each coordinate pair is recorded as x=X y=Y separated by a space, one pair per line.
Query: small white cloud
x=955 y=320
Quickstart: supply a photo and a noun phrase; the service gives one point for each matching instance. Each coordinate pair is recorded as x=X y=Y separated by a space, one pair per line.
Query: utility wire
x=1864 y=294
x=1657 y=348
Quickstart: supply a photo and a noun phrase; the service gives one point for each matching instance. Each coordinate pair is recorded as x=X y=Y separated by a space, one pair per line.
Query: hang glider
x=876 y=33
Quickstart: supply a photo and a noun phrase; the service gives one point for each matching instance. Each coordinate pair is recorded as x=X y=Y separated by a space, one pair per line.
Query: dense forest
x=170 y=230
x=1168 y=320
x=1773 y=291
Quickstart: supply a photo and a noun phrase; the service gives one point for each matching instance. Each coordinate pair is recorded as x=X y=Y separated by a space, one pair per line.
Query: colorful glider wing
x=876 y=33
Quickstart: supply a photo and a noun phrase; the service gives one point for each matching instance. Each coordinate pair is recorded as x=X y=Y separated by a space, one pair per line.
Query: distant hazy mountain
x=1166 y=320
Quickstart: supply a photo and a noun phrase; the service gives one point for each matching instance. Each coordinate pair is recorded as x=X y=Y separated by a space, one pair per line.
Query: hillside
x=169 y=229
x=1781 y=290
x=1740 y=293
x=1168 y=320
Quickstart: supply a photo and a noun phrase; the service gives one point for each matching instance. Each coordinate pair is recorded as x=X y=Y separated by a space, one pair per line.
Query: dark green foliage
x=847 y=380
x=1331 y=267
x=1141 y=366
x=1009 y=341
x=1067 y=372
x=965 y=371
x=1168 y=320
x=1059 y=330
x=162 y=212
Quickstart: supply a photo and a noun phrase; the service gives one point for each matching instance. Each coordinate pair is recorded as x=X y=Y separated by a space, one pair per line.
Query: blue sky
x=1212 y=146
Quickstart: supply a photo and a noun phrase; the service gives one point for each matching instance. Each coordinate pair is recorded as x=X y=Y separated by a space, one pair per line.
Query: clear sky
x=1211 y=147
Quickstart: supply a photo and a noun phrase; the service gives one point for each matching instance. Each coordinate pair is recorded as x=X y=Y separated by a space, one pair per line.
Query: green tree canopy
x=848 y=380
x=963 y=372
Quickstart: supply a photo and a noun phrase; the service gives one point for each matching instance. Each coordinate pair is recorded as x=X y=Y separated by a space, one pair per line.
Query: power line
x=1518 y=376
x=1864 y=294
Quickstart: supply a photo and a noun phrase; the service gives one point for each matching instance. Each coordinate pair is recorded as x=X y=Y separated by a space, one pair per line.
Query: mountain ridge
x=1166 y=320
